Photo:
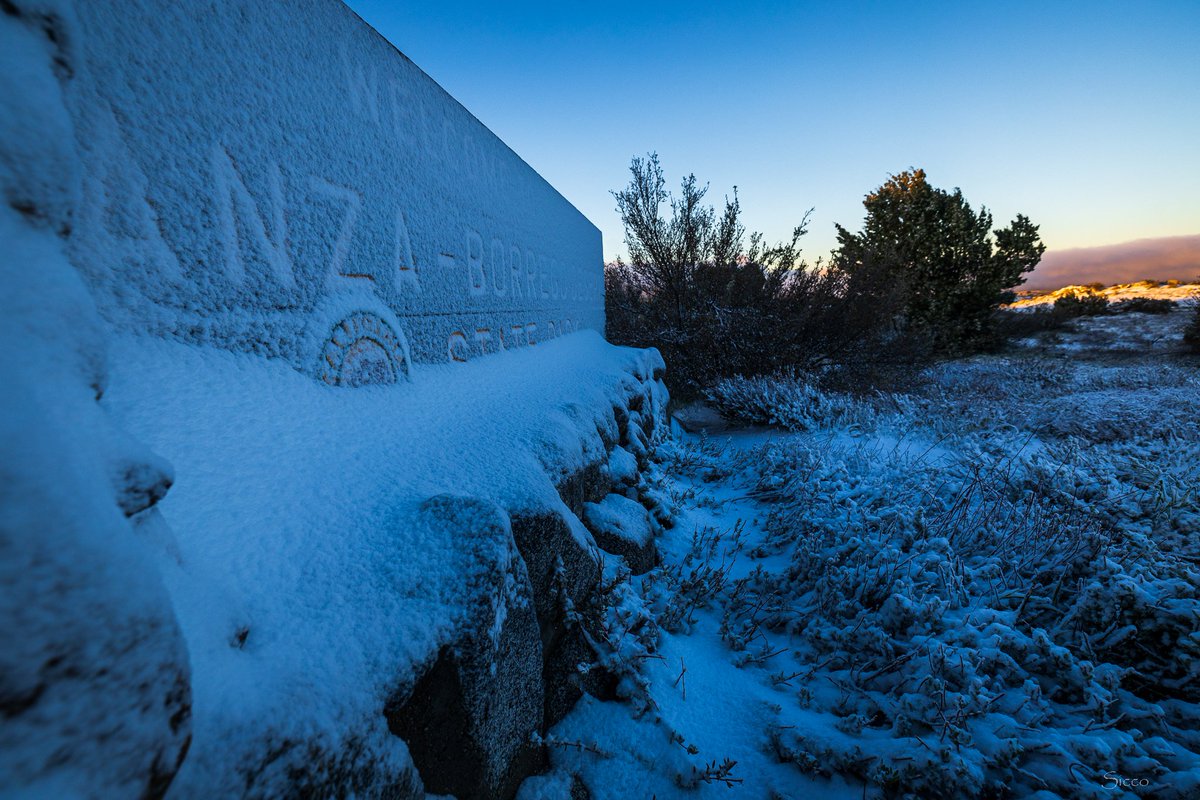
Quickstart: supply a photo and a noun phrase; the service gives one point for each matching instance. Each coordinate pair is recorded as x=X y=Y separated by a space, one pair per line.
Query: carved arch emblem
x=363 y=349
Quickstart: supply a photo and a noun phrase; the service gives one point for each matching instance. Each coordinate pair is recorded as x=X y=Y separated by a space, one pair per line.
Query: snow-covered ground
x=1105 y=337
x=985 y=586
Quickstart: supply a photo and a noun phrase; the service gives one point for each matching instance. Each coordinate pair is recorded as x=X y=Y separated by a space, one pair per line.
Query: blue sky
x=1086 y=117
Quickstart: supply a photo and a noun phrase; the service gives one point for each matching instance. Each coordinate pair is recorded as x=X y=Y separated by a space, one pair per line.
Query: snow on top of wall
x=297 y=513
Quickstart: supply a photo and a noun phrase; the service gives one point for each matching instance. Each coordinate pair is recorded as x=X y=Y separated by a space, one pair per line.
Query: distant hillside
x=1185 y=293
x=1157 y=259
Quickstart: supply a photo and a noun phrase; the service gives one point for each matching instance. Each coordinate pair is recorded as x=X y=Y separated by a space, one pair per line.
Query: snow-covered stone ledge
x=325 y=549
x=342 y=561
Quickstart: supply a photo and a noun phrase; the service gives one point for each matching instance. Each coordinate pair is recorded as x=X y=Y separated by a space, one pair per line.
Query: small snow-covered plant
x=657 y=494
x=692 y=455
x=549 y=740
x=789 y=401
x=622 y=633
x=1191 y=334
x=753 y=607
x=714 y=772
x=680 y=589
x=690 y=460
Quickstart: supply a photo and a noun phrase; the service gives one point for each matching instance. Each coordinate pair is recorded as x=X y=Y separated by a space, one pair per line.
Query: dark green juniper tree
x=953 y=275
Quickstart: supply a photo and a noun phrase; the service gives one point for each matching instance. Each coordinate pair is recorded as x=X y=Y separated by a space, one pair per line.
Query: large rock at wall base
x=588 y=485
x=621 y=469
x=565 y=681
x=95 y=697
x=469 y=729
x=468 y=720
x=624 y=528
x=564 y=568
x=353 y=766
x=95 y=693
x=567 y=645
x=117 y=719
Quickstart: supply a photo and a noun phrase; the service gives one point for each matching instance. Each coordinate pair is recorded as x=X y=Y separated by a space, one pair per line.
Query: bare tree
x=714 y=306
x=665 y=251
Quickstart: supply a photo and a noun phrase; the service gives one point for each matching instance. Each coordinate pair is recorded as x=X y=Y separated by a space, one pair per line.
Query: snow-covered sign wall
x=221 y=576
x=306 y=192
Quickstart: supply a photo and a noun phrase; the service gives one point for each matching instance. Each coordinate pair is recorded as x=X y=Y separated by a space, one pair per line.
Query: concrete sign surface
x=305 y=192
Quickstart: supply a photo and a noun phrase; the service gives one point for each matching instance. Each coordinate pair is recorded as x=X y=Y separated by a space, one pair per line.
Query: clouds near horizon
x=1157 y=259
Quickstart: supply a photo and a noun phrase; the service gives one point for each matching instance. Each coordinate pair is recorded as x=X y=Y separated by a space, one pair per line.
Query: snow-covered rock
x=622 y=467
x=93 y=668
x=94 y=677
x=623 y=527
x=468 y=719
